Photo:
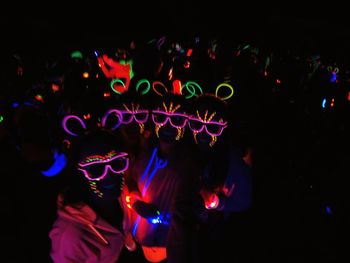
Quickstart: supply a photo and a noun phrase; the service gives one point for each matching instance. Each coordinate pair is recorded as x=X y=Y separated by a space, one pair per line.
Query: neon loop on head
x=85 y=166
x=160 y=84
x=216 y=128
x=140 y=116
x=116 y=113
x=191 y=88
x=68 y=117
x=177 y=120
x=334 y=70
x=117 y=81
x=148 y=86
x=224 y=85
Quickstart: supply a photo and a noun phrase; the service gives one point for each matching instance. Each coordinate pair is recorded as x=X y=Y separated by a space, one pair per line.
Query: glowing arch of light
x=224 y=85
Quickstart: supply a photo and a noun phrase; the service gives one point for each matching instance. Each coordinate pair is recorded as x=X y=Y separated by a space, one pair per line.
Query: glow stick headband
x=115 y=113
x=191 y=87
x=77 y=119
x=224 y=85
x=72 y=117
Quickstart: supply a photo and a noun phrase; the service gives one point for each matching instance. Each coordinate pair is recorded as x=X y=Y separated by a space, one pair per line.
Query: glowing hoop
x=146 y=90
x=108 y=113
x=224 y=85
x=161 y=84
x=191 y=88
x=64 y=124
x=334 y=70
x=115 y=81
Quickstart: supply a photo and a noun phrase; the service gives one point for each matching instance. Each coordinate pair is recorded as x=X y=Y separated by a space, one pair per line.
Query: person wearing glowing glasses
x=134 y=121
x=92 y=222
x=226 y=180
x=163 y=176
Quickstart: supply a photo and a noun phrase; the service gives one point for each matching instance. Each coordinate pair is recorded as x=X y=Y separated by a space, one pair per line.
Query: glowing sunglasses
x=213 y=128
x=97 y=168
x=177 y=120
x=140 y=116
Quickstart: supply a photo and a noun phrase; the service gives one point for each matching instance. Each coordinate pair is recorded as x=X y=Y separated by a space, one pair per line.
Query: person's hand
x=145 y=210
x=211 y=199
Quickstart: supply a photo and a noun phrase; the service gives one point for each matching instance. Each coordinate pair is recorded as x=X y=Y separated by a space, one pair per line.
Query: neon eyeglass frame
x=134 y=111
x=107 y=166
x=222 y=126
x=168 y=116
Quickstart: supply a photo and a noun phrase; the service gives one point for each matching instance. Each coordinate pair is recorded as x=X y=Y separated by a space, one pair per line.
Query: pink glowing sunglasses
x=213 y=128
x=140 y=116
x=96 y=170
x=177 y=120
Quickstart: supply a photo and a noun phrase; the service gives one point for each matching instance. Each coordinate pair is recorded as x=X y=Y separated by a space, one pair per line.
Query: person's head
x=98 y=161
x=135 y=117
x=208 y=120
x=170 y=118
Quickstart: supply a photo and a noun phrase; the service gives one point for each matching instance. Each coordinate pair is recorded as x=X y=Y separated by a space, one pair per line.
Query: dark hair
x=87 y=144
x=210 y=102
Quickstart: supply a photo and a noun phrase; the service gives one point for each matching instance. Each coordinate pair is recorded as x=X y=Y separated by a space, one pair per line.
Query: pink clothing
x=80 y=235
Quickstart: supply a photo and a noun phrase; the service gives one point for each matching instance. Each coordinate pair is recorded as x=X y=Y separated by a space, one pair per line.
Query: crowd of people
x=167 y=151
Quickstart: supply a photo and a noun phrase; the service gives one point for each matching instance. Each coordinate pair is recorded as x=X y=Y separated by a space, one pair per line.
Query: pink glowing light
x=68 y=117
x=117 y=113
x=177 y=120
x=140 y=116
x=213 y=128
x=212 y=202
x=116 y=164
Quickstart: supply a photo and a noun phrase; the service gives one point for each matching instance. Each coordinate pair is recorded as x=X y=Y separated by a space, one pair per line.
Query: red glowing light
x=189 y=52
x=38 y=97
x=55 y=87
x=177 y=86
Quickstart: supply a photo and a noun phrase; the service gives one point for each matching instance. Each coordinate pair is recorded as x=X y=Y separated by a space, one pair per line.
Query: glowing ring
x=113 y=82
x=224 y=85
x=161 y=84
x=64 y=123
x=117 y=113
x=146 y=90
x=334 y=70
x=191 y=88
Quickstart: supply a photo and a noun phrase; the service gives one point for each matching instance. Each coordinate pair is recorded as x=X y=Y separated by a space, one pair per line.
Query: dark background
x=303 y=26
x=292 y=222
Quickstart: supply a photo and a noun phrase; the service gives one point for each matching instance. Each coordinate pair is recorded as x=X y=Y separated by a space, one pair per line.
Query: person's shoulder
x=67 y=242
x=67 y=232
